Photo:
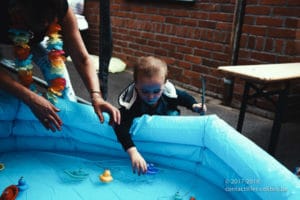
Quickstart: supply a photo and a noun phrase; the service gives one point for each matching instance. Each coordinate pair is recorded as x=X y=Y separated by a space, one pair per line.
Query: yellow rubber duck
x=106 y=176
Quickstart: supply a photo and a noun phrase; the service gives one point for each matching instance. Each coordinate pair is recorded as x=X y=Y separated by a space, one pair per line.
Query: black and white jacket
x=132 y=106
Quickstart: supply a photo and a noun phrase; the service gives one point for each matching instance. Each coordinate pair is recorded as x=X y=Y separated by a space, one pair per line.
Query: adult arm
x=82 y=61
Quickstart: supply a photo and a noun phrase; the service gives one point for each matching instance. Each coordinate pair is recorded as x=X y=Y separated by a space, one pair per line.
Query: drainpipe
x=239 y=13
x=105 y=46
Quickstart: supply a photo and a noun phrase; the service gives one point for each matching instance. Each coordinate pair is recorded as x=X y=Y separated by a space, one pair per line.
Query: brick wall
x=194 y=38
x=270 y=34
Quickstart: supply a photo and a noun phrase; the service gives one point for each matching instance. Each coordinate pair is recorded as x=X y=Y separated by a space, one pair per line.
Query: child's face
x=150 y=89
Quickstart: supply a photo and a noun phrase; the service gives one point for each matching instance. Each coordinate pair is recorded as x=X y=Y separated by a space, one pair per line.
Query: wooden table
x=258 y=78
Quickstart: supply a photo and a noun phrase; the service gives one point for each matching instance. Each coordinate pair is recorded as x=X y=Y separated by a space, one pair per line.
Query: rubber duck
x=10 y=193
x=106 y=176
x=22 y=185
x=2 y=167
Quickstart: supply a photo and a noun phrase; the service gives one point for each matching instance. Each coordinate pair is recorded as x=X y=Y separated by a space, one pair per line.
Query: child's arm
x=137 y=161
x=188 y=101
x=122 y=132
x=197 y=107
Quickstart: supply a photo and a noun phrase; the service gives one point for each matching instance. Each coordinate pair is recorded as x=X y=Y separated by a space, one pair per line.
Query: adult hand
x=101 y=105
x=137 y=161
x=45 y=112
x=40 y=107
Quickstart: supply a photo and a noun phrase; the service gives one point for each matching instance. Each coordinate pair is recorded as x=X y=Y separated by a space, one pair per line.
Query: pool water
x=45 y=174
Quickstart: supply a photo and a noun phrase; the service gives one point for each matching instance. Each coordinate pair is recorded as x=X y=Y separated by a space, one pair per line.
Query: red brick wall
x=195 y=38
x=270 y=34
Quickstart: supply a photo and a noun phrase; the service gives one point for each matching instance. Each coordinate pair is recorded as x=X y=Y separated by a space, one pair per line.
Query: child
x=152 y=94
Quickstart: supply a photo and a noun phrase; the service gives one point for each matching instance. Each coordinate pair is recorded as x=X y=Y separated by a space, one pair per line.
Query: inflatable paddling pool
x=191 y=157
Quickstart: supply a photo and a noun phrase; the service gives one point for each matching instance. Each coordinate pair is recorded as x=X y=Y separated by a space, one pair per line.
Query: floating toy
x=2 y=167
x=177 y=196
x=22 y=185
x=106 y=176
x=77 y=174
x=10 y=193
x=151 y=169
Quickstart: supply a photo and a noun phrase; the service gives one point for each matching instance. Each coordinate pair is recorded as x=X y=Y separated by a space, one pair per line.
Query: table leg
x=243 y=107
x=280 y=107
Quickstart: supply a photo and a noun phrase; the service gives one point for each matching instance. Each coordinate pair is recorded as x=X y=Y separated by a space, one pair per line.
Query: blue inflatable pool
x=194 y=157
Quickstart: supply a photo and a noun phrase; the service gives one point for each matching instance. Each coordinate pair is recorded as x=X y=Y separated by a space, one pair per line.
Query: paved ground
x=256 y=128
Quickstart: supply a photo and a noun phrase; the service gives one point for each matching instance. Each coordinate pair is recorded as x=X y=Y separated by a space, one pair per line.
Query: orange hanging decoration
x=57 y=86
x=25 y=77
x=22 y=52
x=53 y=28
x=57 y=58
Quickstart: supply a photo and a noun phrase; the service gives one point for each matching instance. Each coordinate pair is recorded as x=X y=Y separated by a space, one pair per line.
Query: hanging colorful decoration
x=23 y=63
x=57 y=60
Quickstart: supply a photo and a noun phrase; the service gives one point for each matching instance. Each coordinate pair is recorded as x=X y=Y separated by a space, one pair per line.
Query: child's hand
x=137 y=161
x=197 y=107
